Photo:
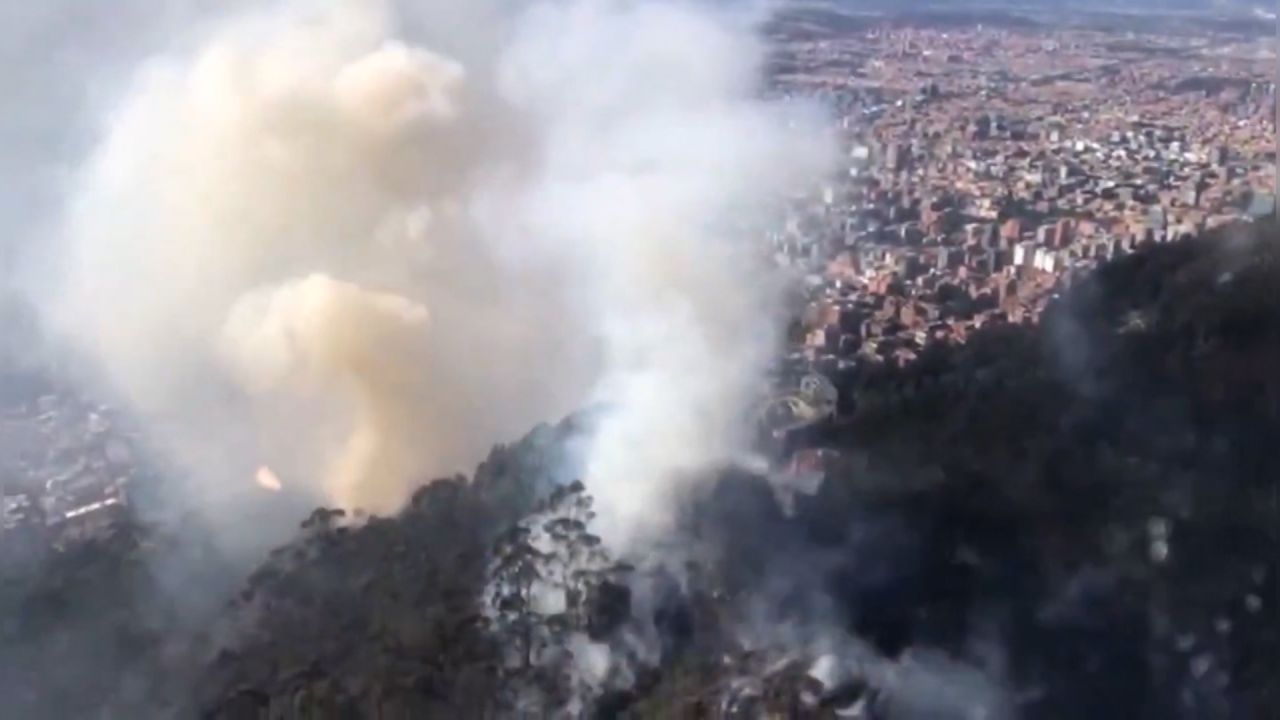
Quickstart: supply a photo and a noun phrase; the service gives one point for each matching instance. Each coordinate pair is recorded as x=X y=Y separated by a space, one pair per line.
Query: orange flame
x=268 y=480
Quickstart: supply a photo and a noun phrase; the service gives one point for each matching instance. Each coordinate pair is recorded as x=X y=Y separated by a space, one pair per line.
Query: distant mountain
x=1185 y=17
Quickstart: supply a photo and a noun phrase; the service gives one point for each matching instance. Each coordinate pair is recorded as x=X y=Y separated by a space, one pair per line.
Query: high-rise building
x=1221 y=156
x=1011 y=231
x=1157 y=218
x=890 y=156
x=1066 y=230
x=1191 y=195
x=899 y=156
x=1023 y=253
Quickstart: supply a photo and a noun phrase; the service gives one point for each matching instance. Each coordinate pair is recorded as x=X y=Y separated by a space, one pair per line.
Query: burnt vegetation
x=1083 y=512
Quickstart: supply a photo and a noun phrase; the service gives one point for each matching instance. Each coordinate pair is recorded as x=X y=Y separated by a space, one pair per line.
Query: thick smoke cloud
x=361 y=243
x=319 y=334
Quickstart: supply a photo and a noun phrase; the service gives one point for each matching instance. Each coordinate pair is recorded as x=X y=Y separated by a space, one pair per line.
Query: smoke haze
x=361 y=243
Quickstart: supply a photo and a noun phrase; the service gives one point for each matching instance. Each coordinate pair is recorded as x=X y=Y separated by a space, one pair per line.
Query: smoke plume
x=321 y=334
x=361 y=243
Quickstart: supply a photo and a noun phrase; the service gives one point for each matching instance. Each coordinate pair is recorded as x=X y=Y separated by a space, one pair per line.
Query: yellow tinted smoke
x=291 y=199
x=250 y=252
x=322 y=335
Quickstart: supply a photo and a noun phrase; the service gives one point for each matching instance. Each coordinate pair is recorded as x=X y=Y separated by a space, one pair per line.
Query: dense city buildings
x=66 y=470
x=987 y=166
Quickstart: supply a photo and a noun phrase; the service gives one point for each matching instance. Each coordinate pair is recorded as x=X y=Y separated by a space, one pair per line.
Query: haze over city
x=639 y=359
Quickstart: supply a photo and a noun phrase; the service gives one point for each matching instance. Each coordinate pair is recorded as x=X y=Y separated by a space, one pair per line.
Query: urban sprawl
x=986 y=168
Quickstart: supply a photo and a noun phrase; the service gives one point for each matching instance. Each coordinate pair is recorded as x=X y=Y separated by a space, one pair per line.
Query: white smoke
x=362 y=245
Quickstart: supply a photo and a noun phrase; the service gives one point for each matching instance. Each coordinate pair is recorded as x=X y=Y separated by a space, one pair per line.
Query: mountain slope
x=1071 y=520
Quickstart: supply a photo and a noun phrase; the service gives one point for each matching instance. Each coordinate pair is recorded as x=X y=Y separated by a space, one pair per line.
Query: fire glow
x=268 y=480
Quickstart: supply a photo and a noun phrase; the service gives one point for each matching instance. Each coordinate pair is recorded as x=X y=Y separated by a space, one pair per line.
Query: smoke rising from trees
x=360 y=243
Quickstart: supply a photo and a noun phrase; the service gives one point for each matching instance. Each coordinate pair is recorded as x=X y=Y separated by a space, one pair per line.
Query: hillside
x=1071 y=520
x=1074 y=520
x=1125 y=445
